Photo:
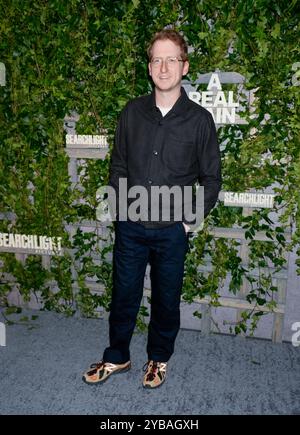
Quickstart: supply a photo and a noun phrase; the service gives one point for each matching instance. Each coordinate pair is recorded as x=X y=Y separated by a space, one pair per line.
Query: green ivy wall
x=90 y=57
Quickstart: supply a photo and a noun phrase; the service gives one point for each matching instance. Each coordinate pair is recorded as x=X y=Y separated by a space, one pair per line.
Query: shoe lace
x=103 y=364
x=97 y=365
x=153 y=367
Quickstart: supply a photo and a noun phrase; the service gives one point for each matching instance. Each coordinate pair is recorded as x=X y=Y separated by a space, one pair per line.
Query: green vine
x=90 y=57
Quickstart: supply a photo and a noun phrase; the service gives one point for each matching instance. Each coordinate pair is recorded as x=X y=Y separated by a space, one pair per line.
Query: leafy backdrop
x=90 y=57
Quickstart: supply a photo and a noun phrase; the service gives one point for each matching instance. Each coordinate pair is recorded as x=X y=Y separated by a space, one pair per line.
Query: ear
x=186 y=67
x=149 y=68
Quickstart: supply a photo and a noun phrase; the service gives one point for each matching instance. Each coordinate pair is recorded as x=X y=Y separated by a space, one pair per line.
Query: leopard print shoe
x=100 y=372
x=155 y=374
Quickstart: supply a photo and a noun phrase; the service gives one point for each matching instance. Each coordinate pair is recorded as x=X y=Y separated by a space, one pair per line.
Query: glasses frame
x=167 y=60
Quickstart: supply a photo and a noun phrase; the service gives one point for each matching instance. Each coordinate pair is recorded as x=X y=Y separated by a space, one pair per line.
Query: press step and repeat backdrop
x=66 y=72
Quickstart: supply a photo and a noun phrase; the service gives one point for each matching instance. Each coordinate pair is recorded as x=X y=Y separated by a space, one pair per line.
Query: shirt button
x=150 y=181
x=155 y=153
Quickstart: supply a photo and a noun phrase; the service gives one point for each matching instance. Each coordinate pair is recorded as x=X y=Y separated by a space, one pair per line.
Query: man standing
x=162 y=139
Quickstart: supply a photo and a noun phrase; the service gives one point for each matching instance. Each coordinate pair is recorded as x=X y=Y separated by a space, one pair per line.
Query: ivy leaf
x=13 y=310
x=276 y=31
x=259 y=313
x=135 y=3
x=197 y=314
x=24 y=319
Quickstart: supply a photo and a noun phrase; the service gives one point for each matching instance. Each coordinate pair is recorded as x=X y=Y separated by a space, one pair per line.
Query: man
x=162 y=139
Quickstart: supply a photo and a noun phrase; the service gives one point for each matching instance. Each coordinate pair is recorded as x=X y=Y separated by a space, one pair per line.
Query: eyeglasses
x=170 y=61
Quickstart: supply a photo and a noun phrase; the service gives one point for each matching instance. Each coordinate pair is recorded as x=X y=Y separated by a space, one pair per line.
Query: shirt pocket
x=179 y=155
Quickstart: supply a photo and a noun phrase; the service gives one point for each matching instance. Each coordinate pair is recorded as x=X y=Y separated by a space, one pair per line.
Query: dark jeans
x=165 y=249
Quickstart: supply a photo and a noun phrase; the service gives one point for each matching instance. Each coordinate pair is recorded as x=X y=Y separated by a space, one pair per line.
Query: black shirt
x=175 y=150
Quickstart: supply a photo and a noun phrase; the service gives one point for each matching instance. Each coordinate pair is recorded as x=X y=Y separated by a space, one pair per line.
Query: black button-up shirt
x=176 y=150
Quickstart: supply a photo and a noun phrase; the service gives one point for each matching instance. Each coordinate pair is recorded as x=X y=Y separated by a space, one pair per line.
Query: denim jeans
x=165 y=249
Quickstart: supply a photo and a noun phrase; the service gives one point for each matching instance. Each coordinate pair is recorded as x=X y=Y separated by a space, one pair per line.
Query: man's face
x=166 y=76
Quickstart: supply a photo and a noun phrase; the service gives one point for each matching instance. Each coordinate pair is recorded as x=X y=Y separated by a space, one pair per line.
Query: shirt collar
x=179 y=107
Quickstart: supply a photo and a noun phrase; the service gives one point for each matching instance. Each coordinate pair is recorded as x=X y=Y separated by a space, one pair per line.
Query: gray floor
x=40 y=373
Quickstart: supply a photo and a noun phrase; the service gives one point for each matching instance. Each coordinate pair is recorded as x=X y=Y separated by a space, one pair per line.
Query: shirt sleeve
x=209 y=159
x=118 y=166
x=209 y=162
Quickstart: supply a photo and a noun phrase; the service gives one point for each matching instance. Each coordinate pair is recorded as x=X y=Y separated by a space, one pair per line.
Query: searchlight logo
x=30 y=243
x=86 y=141
x=249 y=199
x=2 y=334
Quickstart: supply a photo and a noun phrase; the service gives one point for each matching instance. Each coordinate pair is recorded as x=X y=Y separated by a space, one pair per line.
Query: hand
x=186 y=227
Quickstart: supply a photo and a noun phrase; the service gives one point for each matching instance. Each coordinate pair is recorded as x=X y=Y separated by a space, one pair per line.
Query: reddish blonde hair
x=173 y=36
